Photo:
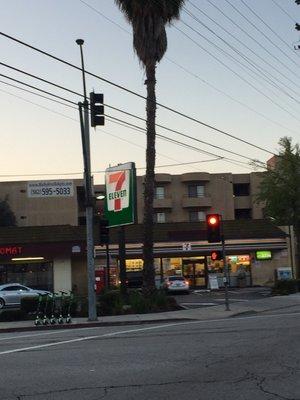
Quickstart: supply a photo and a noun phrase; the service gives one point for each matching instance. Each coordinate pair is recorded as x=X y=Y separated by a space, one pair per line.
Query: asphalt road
x=206 y=298
x=245 y=358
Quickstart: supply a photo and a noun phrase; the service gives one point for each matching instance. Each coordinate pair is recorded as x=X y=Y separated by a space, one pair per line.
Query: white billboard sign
x=50 y=189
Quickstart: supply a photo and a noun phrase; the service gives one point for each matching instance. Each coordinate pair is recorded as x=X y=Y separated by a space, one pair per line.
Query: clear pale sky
x=44 y=138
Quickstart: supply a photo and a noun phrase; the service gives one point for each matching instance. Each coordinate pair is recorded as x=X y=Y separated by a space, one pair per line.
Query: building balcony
x=196 y=202
x=163 y=203
x=242 y=202
x=163 y=178
x=195 y=177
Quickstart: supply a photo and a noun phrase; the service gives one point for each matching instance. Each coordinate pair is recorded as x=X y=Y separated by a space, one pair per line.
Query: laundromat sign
x=46 y=189
x=11 y=250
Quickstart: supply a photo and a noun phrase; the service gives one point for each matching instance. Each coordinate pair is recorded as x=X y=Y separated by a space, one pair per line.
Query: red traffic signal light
x=213 y=228
x=215 y=255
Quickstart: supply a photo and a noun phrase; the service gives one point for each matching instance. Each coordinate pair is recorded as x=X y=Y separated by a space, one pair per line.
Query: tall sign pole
x=85 y=135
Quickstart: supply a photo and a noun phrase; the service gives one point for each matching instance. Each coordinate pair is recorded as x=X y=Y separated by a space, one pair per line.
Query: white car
x=11 y=294
x=176 y=284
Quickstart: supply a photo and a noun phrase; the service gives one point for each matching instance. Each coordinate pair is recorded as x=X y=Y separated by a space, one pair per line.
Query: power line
x=137 y=94
x=284 y=11
x=266 y=37
x=263 y=75
x=268 y=26
x=238 y=40
x=237 y=74
x=124 y=112
x=186 y=70
x=243 y=30
x=135 y=127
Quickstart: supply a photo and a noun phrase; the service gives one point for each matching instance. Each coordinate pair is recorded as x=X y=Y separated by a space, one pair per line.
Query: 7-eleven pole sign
x=120 y=194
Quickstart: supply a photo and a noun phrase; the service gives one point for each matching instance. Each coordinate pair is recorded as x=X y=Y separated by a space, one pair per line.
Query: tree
x=280 y=190
x=149 y=19
x=7 y=217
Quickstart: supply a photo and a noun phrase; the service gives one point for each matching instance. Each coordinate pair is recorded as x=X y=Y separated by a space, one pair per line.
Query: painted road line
x=151 y=328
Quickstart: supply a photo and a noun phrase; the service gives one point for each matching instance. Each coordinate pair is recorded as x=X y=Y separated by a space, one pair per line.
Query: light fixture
x=27 y=258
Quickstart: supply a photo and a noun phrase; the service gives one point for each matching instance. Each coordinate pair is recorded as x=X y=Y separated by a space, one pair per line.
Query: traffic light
x=97 y=109
x=103 y=231
x=215 y=255
x=213 y=228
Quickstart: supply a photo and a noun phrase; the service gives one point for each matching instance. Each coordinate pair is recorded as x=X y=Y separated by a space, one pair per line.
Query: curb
x=91 y=325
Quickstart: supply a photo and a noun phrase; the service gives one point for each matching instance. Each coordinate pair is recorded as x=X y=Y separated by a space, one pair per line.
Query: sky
x=227 y=65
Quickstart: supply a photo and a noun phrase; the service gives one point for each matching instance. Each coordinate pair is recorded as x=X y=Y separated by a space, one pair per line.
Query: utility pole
x=85 y=136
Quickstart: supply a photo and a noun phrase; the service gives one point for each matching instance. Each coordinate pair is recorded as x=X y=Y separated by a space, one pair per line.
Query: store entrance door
x=194 y=271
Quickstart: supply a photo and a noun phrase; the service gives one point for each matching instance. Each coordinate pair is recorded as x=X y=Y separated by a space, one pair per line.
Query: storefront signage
x=10 y=250
x=50 y=189
x=120 y=198
x=186 y=246
x=263 y=255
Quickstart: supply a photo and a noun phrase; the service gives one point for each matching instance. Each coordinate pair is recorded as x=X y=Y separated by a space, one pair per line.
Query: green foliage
x=285 y=287
x=112 y=303
x=280 y=186
x=7 y=217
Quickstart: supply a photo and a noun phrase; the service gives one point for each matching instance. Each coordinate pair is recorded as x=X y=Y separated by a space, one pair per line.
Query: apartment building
x=180 y=205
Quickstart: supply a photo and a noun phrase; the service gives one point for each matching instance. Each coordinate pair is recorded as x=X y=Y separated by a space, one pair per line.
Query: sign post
x=120 y=207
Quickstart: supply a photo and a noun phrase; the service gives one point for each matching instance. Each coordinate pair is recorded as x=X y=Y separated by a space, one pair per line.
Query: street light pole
x=85 y=135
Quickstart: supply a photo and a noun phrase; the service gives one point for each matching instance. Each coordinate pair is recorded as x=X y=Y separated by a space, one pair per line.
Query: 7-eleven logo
x=117 y=189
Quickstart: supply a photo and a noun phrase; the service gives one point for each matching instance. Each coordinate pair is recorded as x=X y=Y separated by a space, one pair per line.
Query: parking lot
x=206 y=298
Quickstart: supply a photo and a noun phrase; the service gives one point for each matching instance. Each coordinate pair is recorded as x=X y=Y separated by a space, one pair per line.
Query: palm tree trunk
x=149 y=271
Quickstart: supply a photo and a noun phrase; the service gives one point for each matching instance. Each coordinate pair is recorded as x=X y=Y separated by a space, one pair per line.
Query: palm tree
x=149 y=19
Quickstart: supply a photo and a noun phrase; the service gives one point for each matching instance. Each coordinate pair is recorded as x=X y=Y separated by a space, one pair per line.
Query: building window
x=243 y=213
x=196 y=190
x=160 y=217
x=197 y=216
x=159 y=192
x=241 y=189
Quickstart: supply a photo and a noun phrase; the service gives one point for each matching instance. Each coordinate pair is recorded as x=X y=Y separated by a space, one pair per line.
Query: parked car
x=11 y=294
x=176 y=284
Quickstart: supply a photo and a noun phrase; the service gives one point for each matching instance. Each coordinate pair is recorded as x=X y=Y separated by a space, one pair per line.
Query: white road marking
x=198 y=304
x=166 y=325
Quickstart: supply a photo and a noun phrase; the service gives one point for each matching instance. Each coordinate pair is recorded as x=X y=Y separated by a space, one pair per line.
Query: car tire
x=2 y=303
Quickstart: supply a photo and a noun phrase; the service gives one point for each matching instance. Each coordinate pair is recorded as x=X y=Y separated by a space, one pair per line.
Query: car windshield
x=176 y=278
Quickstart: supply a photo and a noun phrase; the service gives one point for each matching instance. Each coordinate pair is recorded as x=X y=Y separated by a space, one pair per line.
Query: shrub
x=285 y=287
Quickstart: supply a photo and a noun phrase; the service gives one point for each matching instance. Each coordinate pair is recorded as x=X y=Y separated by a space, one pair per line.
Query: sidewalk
x=261 y=306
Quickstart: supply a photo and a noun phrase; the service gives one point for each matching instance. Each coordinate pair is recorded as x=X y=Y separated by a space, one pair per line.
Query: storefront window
x=172 y=266
x=136 y=265
x=34 y=275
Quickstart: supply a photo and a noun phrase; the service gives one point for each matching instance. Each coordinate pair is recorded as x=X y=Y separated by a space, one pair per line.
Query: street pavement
x=251 y=352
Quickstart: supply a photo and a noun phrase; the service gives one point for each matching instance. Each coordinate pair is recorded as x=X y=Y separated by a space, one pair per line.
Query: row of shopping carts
x=54 y=308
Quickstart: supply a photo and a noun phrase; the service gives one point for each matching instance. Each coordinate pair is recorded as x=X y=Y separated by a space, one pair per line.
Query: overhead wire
x=267 y=25
x=182 y=114
x=266 y=37
x=189 y=72
x=238 y=74
x=242 y=43
x=258 y=71
x=243 y=30
x=128 y=114
x=284 y=11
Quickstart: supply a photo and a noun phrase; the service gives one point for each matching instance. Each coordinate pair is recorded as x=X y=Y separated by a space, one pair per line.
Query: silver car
x=11 y=294
x=176 y=284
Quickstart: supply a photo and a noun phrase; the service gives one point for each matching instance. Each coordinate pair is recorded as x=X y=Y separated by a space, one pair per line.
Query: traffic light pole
x=85 y=135
x=226 y=275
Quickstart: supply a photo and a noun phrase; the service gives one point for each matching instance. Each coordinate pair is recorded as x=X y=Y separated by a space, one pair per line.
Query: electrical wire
x=267 y=25
x=189 y=72
x=284 y=11
x=124 y=112
x=237 y=74
x=258 y=71
x=266 y=37
x=136 y=94
x=237 y=39
x=163 y=137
